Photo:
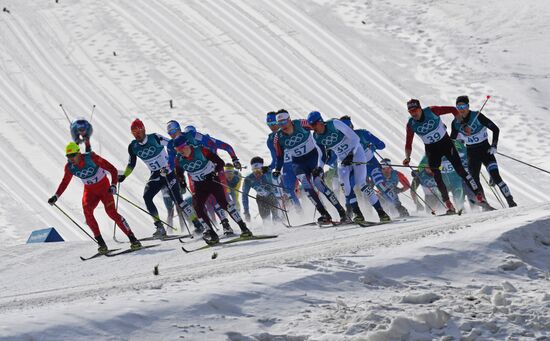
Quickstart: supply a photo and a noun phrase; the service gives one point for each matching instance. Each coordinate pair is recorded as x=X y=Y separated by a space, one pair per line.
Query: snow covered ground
x=225 y=64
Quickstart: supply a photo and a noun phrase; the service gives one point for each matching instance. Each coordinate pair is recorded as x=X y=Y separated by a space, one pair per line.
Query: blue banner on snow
x=45 y=236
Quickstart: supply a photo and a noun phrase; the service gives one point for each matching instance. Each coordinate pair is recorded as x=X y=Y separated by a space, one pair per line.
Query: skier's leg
x=152 y=187
x=491 y=164
x=90 y=200
x=289 y=182
x=109 y=205
x=434 y=155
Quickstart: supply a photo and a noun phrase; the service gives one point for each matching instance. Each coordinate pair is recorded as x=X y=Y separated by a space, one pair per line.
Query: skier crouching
x=92 y=170
x=204 y=167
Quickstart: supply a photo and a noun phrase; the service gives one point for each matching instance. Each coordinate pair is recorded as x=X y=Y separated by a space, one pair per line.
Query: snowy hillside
x=224 y=64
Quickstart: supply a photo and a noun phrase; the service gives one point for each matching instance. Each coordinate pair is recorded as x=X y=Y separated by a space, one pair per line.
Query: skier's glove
x=52 y=200
x=347 y=160
x=317 y=171
x=247 y=216
x=265 y=169
x=121 y=178
x=492 y=150
x=407 y=161
x=237 y=164
x=164 y=172
x=112 y=189
x=276 y=173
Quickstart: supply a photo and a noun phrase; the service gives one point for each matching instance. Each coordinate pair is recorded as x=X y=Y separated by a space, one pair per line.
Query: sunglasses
x=172 y=131
x=271 y=124
x=462 y=106
x=283 y=122
x=70 y=156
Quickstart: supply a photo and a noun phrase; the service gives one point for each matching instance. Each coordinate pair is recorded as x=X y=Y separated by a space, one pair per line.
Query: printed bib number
x=157 y=162
x=447 y=167
x=434 y=135
x=478 y=137
x=303 y=149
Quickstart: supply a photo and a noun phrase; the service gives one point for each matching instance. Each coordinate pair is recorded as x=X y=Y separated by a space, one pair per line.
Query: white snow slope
x=225 y=64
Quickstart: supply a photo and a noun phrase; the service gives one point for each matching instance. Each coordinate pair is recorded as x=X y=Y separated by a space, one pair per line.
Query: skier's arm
x=271 y=148
x=348 y=132
x=305 y=125
x=180 y=173
x=373 y=140
x=491 y=126
x=131 y=162
x=171 y=154
x=409 y=141
x=404 y=181
x=279 y=152
x=445 y=110
x=65 y=182
x=214 y=158
x=101 y=162
x=163 y=141
x=454 y=131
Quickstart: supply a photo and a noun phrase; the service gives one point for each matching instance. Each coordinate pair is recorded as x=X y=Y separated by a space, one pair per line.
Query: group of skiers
x=300 y=149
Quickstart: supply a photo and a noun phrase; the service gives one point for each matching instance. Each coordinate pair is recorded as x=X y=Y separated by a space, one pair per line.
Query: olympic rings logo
x=147 y=153
x=193 y=166
x=85 y=173
x=329 y=140
x=294 y=140
x=426 y=127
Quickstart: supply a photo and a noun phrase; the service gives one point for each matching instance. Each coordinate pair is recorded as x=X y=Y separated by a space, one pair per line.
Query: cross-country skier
x=234 y=179
x=423 y=177
x=92 y=170
x=473 y=126
x=195 y=138
x=81 y=132
x=393 y=178
x=335 y=135
x=261 y=181
x=289 y=177
x=370 y=144
x=294 y=137
x=150 y=148
x=427 y=124
x=203 y=167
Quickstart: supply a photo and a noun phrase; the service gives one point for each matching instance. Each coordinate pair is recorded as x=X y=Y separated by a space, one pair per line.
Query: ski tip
x=433 y=213
x=184 y=250
x=82 y=258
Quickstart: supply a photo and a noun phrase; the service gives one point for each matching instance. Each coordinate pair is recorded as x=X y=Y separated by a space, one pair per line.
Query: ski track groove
x=241 y=85
x=382 y=236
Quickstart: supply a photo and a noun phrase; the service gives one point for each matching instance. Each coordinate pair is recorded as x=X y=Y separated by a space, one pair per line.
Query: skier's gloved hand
x=247 y=216
x=237 y=164
x=317 y=171
x=164 y=171
x=265 y=169
x=276 y=173
x=348 y=160
x=492 y=150
x=112 y=189
x=52 y=200
x=407 y=161
x=121 y=178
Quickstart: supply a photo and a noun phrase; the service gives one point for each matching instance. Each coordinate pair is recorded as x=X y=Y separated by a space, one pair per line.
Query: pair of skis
x=230 y=241
x=113 y=252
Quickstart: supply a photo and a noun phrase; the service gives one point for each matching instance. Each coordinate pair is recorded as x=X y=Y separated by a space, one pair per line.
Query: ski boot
x=402 y=211
x=227 y=230
x=102 y=247
x=384 y=217
x=450 y=208
x=210 y=237
x=198 y=226
x=160 y=233
x=485 y=207
x=511 y=202
x=245 y=232
x=134 y=242
x=344 y=217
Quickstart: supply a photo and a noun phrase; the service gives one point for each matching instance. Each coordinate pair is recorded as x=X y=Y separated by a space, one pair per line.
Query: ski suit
x=92 y=170
x=266 y=195
x=289 y=177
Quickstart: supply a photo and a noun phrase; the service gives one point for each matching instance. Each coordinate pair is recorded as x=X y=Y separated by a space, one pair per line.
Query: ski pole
x=77 y=224
x=141 y=209
x=493 y=190
x=178 y=208
x=401 y=166
x=281 y=193
x=525 y=163
x=67 y=116
x=116 y=209
x=248 y=195
x=92 y=115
